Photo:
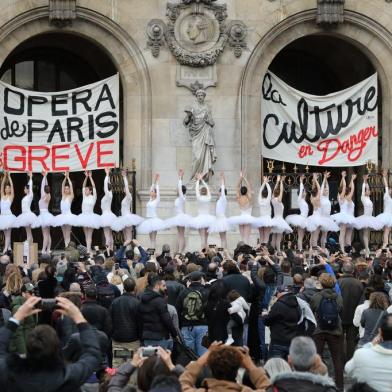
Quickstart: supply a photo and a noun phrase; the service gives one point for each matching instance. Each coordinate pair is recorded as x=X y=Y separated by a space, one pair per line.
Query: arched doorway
x=57 y=62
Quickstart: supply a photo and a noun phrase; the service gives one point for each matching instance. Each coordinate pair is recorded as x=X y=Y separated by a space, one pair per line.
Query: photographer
x=43 y=368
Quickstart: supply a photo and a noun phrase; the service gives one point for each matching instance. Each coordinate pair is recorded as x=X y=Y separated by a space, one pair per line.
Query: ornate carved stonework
x=330 y=12
x=197 y=33
x=62 y=12
x=156 y=29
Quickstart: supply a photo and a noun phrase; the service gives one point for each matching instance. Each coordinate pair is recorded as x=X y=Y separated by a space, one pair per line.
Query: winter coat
x=98 y=316
x=174 y=290
x=235 y=281
x=307 y=294
x=192 y=371
x=154 y=317
x=301 y=381
x=315 y=303
x=370 y=321
x=125 y=318
x=352 y=290
x=16 y=376
x=283 y=319
x=217 y=317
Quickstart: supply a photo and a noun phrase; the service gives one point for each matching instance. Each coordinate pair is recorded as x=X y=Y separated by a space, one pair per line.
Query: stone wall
x=153 y=104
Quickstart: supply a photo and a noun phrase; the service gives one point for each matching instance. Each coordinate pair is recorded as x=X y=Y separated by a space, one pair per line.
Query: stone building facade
x=161 y=62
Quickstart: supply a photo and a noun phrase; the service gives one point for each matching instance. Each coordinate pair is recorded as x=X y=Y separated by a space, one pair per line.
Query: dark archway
x=56 y=62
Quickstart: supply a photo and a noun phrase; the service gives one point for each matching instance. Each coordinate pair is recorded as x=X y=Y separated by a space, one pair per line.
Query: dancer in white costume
x=314 y=220
x=27 y=219
x=345 y=218
x=245 y=221
x=325 y=208
x=204 y=219
x=66 y=219
x=127 y=219
x=386 y=217
x=181 y=220
x=280 y=226
x=221 y=224
x=108 y=219
x=152 y=224
x=88 y=219
x=45 y=219
x=264 y=222
x=7 y=218
x=300 y=220
x=367 y=221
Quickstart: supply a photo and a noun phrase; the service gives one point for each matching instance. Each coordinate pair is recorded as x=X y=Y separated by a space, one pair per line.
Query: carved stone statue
x=200 y=123
x=197 y=30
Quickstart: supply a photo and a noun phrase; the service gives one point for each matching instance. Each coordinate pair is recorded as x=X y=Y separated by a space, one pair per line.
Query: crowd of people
x=252 y=319
x=270 y=224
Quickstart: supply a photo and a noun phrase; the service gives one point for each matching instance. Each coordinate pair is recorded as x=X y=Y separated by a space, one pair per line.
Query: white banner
x=70 y=130
x=339 y=129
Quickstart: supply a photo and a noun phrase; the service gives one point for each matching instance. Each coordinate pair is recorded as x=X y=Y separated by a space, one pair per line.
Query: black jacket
x=15 y=376
x=307 y=294
x=351 y=289
x=154 y=317
x=283 y=319
x=125 y=320
x=174 y=289
x=180 y=300
x=238 y=282
x=98 y=316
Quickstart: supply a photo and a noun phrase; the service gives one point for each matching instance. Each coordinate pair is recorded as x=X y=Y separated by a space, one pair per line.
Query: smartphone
x=151 y=251
x=220 y=249
x=212 y=246
x=314 y=247
x=116 y=266
x=149 y=351
x=122 y=353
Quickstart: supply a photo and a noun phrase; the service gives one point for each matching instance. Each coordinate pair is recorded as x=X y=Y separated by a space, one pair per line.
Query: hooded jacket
x=301 y=381
x=283 y=319
x=154 y=317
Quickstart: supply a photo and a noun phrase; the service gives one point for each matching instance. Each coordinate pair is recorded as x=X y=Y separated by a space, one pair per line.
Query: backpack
x=105 y=294
x=192 y=306
x=328 y=314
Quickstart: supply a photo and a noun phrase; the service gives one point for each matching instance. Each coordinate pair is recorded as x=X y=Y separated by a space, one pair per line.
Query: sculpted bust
x=197 y=30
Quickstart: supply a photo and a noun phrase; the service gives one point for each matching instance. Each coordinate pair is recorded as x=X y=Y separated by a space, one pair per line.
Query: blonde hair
x=327 y=280
x=116 y=280
x=14 y=282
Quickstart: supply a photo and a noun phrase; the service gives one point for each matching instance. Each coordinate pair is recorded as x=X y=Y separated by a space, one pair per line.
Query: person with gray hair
x=308 y=371
x=352 y=293
x=309 y=290
x=275 y=366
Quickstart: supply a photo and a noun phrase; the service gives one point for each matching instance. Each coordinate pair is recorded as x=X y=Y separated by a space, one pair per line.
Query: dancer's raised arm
x=317 y=185
x=343 y=186
x=281 y=189
x=90 y=175
x=106 y=182
x=385 y=181
x=264 y=185
x=352 y=186
x=44 y=183
x=325 y=185
x=30 y=184
x=155 y=185
x=222 y=193
x=249 y=186
x=179 y=184
x=301 y=187
x=11 y=186
x=365 y=186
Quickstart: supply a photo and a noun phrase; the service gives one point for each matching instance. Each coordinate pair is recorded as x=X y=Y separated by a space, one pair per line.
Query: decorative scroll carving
x=62 y=12
x=330 y=12
x=156 y=29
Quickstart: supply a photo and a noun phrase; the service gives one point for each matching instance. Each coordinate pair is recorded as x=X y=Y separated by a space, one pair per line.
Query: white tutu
x=25 y=219
x=180 y=220
x=219 y=225
x=44 y=219
x=67 y=219
x=242 y=220
x=202 y=221
x=7 y=221
x=108 y=219
x=385 y=219
x=280 y=226
x=367 y=222
x=297 y=220
x=88 y=219
x=342 y=218
x=151 y=224
x=263 y=221
x=128 y=220
x=324 y=223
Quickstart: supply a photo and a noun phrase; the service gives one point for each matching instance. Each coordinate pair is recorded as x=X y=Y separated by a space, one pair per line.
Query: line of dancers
x=270 y=223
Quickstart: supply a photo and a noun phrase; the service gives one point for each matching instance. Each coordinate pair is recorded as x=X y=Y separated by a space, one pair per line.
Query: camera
x=149 y=351
x=116 y=266
x=122 y=353
x=47 y=305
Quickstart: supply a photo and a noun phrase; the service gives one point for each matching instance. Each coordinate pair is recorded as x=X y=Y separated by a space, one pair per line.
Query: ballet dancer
x=45 y=219
x=314 y=220
x=27 y=218
x=181 y=220
x=386 y=217
x=204 y=219
x=245 y=221
x=221 y=224
x=280 y=226
x=345 y=218
x=300 y=220
x=7 y=219
x=66 y=219
x=127 y=219
x=152 y=224
x=367 y=221
x=108 y=219
x=88 y=219
x=264 y=222
x=325 y=209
